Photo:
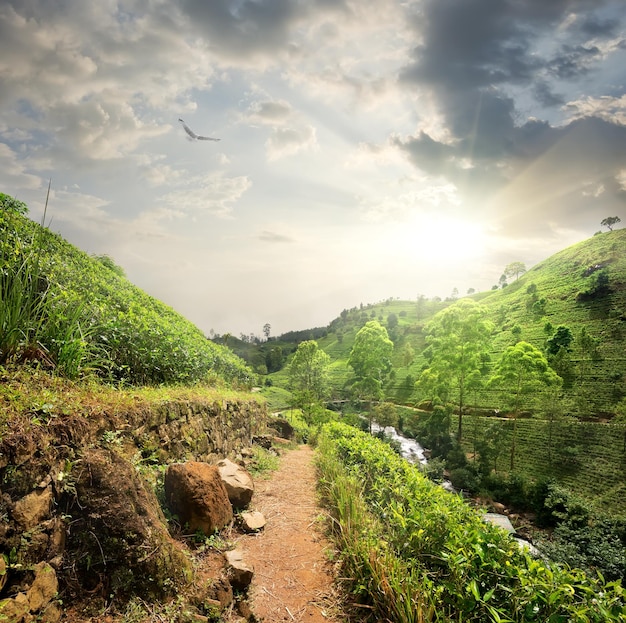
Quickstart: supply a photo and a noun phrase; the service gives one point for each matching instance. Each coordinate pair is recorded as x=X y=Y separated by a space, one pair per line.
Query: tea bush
x=419 y=553
x=79 y=313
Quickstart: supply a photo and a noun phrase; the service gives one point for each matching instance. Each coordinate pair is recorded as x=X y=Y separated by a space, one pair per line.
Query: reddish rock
x=196 y=494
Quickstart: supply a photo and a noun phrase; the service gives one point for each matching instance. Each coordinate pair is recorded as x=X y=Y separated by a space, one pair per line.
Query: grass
x=417 y=553
x=78 y=314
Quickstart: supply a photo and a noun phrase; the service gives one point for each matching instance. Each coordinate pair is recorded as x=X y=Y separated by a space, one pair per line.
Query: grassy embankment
x=415 y=553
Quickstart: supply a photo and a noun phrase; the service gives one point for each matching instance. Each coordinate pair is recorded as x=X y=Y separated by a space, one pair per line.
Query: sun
x=444 y=239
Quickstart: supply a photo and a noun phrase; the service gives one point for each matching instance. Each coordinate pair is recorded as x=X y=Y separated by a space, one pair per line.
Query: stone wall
x=62 y=482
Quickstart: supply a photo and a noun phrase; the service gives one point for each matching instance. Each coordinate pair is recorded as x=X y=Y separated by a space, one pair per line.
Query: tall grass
x=385 y=585
x=35 y=325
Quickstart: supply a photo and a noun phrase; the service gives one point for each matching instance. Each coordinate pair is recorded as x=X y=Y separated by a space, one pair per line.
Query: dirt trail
x=293 y=579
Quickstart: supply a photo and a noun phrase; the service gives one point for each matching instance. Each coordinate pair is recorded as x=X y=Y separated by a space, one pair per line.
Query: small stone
x=33 y=508
x=43 y=588
x=252 y=521
x=240 y=572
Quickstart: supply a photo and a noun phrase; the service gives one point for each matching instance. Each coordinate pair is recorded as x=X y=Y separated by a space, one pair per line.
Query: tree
x=458 y=339
x=385 y=414
x=521 y=371
x=392 y=321
x=609 y=221
x=308 y=376
x=370 y=358
x=561 y=339
x=408 y=354
x=515 y=269
x=266 y=330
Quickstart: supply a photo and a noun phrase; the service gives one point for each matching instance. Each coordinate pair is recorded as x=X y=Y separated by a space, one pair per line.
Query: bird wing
x=196 y=136
x=188 y=130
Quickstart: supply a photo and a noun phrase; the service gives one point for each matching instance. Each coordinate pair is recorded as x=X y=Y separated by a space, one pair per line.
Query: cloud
x=290 y=133
x=14 y=172
x=285 y=142
x=212 y=193
x=274 y=237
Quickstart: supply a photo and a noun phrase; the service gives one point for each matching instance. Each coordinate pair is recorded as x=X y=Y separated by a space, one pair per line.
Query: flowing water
x=409 y=448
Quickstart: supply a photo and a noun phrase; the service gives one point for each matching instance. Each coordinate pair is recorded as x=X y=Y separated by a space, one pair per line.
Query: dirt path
x=293 y=579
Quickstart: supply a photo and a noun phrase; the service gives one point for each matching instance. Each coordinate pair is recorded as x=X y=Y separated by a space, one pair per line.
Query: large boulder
x=238 y=483
x=196 y=494
x=118 y=541
x=282 y=427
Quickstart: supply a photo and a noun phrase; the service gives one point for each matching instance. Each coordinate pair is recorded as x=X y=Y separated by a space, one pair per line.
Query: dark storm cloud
x=476 y=56
x=546 y=96
x=573 y=62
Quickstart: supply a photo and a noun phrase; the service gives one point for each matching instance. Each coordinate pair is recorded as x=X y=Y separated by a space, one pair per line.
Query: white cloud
x=211 y=193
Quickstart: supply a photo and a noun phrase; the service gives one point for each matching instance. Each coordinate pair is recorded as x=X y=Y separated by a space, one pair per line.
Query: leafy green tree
x=522 y=371
x=370 y=358
x=458 y=339
x=561 y=339
x=385 y=414
x=274 y=359
x=308 y=376
x=609 y=221
x=392 y=321
x=515 y=269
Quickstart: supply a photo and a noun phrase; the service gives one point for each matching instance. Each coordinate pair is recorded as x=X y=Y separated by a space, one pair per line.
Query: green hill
x=76 y=313
x=581 y=287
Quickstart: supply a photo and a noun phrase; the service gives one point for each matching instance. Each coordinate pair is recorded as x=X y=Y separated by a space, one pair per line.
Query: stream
x=409 y=448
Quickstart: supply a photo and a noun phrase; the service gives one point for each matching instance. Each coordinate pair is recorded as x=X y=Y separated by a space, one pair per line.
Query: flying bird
x=195 y=136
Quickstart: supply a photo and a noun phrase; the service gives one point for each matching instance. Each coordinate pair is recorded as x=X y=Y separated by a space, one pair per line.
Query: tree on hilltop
x=515 y=269
x=609 y=221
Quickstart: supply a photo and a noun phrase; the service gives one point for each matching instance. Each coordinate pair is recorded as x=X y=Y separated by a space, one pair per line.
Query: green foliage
x=561 y=339
x=308 y=376
x=515 y=269
x=370 y=355
x=10 y=204
x=77 y=313
x=458 y=339
x=437 y=559
x=609 y=221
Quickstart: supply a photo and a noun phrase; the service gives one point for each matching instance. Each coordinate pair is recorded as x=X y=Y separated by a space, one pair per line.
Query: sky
x=368 y=150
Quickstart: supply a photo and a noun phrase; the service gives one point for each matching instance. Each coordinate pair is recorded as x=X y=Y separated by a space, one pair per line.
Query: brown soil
x=293 y=580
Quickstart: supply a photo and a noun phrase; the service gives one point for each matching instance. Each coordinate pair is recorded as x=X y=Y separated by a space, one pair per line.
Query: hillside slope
x=581 y=287
x=86 y=315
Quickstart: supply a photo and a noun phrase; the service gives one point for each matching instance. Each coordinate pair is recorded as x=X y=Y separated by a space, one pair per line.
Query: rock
x=118 y=529
x=4 y=572
x=52 y=614
x=239 y=571
x=238 y=483
x=252 y=521
x=196 y=493
x=43 y=588
x=33 y=508
x=14 y=609
x=282 y=427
